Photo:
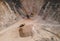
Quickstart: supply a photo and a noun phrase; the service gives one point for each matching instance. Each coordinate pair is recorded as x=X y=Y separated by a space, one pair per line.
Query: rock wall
x=7 y=16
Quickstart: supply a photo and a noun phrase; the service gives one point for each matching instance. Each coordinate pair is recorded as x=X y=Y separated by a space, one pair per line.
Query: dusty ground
x=39 y=34
x=35 y=28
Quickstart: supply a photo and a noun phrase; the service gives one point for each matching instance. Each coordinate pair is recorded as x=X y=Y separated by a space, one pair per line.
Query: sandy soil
x=42 y=30
x=12 y=32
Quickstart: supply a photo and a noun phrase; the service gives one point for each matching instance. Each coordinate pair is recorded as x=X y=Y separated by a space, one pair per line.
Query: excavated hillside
x=29 y=20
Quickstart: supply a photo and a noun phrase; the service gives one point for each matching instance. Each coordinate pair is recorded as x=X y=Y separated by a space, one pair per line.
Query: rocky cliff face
x=51 y=10
x=47 y=9
x=7 y=17
x=11 y=9
x=41 y=20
